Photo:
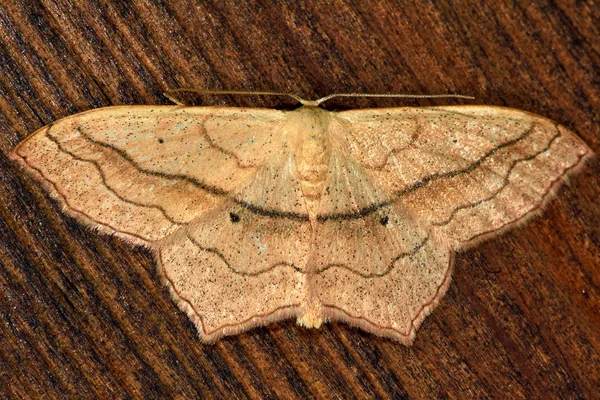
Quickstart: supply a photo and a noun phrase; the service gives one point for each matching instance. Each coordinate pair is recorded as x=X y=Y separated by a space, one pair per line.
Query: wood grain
x=84 y=315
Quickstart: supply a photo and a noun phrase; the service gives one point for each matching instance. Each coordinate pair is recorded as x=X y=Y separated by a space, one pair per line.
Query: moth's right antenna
x=410 y=96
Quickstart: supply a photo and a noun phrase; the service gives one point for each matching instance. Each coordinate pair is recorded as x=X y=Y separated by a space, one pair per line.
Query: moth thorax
x=312 y=170
x=312 y=167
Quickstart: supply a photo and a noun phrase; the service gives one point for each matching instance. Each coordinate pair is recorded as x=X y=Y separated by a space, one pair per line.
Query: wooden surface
x=84 y=316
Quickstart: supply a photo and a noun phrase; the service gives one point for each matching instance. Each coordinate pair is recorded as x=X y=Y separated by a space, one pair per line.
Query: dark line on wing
x=110 y=189
x=451 y=174
x=394 y=151
x=209 y=188
x=415 y=250
x=271 y=213
x=420 y=184
x=363 y=212
x=215 y=146
x=201 y=185
x=222 y=257
x=504 y=185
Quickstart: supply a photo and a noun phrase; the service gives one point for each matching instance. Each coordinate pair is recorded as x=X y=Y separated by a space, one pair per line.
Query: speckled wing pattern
x=256 y=215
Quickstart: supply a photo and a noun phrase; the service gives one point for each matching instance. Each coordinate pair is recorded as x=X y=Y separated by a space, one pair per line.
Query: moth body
x=311 y=125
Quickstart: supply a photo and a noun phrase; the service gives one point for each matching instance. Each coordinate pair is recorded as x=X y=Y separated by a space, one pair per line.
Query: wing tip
x=585 y=155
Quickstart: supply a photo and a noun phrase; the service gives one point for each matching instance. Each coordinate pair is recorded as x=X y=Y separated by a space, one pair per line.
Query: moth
x=256 y=215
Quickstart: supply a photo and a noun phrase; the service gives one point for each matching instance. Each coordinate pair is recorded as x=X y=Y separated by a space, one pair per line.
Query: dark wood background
x=84 y=315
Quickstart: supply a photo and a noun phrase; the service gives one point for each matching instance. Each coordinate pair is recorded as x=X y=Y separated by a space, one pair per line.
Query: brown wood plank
x=84 y=315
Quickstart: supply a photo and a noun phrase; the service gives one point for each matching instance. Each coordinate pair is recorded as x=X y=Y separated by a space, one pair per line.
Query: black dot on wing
x=384 y=221
x=234 y=217
x=161 y=141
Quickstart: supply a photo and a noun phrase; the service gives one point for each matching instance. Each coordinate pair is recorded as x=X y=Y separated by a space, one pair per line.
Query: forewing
x=143 y=171
x=465 y=171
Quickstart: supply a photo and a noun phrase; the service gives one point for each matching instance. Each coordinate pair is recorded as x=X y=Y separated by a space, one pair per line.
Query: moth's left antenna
x=169 y=94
